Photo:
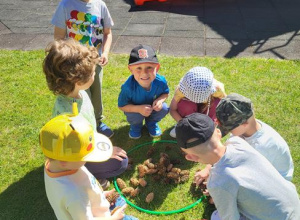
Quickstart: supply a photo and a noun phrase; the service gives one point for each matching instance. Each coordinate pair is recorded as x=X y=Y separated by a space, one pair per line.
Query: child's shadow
x=138 y=150
x=26 y=198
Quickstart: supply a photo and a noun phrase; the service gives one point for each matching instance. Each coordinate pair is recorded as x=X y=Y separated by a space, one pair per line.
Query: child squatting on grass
x=144 y=93
x=68 y=142
x=235 y=114
x=242 y=182
x=69 y=68
x=88 y=22
x=197 y=91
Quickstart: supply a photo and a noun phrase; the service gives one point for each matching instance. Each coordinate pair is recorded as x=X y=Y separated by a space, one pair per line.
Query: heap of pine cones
x=164 y=170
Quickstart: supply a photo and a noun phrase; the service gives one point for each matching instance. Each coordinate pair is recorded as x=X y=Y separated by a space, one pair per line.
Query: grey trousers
x=95 y=94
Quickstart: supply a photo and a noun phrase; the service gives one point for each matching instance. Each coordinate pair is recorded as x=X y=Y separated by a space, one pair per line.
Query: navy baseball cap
x=142 y=54
x=195 y=125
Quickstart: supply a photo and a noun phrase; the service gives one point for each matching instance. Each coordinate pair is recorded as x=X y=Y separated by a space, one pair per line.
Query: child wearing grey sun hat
x=198 y=91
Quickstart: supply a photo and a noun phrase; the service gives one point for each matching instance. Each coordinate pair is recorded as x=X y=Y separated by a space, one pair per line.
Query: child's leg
x=186 y=107
x=136 y=123
x=154 y=118
x=107 y=169
x=95 y=94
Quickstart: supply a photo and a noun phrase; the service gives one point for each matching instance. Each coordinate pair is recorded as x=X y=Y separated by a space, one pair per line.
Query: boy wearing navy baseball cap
x=143 y=95
x=242 y=182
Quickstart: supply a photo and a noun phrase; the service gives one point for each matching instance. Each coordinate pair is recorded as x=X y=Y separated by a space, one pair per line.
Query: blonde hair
x=66 y=63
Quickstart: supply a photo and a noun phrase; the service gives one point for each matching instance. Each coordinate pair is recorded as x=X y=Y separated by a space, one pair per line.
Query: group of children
x=248 y=177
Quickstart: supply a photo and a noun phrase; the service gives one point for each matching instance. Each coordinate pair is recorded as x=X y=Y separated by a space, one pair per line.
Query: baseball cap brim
x=143 y=61
x=102 y=151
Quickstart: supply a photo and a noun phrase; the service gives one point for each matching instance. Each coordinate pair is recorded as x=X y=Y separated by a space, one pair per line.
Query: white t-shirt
x=271 y=145
x=243 y=182
x=75 y=195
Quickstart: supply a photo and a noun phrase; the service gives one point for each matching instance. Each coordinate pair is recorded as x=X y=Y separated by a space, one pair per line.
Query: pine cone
x=135 y=192
x=173 y=175
x=141 y=170
x=150 y=152
x=170 y=166
x=152 y=171
x=184 y=178
x=149 y=197
x=142 y=182
x=134 y=182
x=184 y=172
x=151 y=166
x=176 y=170
x=127 y=190
x=112 y=197
x=121 y=183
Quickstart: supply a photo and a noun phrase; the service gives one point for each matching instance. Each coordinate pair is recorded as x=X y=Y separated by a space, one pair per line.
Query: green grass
x=26 y=104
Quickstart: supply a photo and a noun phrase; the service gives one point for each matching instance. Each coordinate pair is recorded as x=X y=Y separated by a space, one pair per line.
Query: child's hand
x=103 y=59
x=145 y=110
x=118 y=212
x=157 y=105
x=201 y=176
x=118 y=153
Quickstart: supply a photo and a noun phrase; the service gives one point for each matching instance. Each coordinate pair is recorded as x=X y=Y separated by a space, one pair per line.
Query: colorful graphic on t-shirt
x=85 y=28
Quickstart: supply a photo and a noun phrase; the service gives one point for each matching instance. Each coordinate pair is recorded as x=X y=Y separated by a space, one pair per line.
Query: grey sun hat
x=233 y=110
x=197 y=84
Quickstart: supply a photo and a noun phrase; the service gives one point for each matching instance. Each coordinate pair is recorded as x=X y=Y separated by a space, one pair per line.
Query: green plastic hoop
x=150 y=211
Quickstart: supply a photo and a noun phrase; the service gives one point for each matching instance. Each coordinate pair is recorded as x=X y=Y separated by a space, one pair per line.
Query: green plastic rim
x=150 y=211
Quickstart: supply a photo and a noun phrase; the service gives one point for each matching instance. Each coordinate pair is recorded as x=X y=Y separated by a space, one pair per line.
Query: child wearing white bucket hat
x=197 y=91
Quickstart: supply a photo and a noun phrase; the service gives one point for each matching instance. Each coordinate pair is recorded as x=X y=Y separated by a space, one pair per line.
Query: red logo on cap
x=143 y=53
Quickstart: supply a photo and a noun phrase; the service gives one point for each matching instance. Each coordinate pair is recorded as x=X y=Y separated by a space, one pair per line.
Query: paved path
x=226 y=28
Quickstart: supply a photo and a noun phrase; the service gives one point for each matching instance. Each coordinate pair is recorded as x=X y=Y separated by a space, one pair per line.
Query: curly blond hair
x=66 y=63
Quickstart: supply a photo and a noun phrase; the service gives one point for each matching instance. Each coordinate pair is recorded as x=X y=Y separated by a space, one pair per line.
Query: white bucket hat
x=197 y=84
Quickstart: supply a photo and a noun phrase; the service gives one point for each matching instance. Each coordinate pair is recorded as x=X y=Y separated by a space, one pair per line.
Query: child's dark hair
x=67 y=62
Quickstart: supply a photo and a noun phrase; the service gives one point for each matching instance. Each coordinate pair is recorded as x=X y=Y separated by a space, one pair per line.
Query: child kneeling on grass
x=242 y=182
x=198 y=91
x=68 y=142
x=235 y=114
x=69 y=68
x=142 y=96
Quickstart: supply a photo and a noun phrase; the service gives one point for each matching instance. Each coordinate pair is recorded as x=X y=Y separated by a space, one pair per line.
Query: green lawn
x=26 y=104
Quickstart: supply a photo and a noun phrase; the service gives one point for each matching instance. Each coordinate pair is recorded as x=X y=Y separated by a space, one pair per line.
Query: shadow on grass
x=26 y=199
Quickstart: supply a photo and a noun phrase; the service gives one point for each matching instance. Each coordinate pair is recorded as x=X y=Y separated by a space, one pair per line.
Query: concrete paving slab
x=15 y=41
x=39 y=42
x=184 y=34
x=225 y=48
x=185 y=24
x=149 y=18
x=142 y=30
x=182 y=46
x=4 y=29
x=125 y=43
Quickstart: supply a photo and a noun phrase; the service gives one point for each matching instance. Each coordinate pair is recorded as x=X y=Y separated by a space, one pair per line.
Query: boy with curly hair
x=69 y=68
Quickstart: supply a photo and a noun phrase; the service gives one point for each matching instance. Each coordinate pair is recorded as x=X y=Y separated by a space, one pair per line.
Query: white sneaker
x=173 y=133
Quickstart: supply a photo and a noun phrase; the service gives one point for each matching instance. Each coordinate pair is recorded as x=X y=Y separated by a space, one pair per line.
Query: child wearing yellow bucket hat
x=68 y=142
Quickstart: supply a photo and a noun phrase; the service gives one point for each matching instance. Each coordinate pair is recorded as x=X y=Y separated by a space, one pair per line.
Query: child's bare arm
x=59 y=33
x=157 y=104
x=144 y=110
x=173 y=110
x=107 y=39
